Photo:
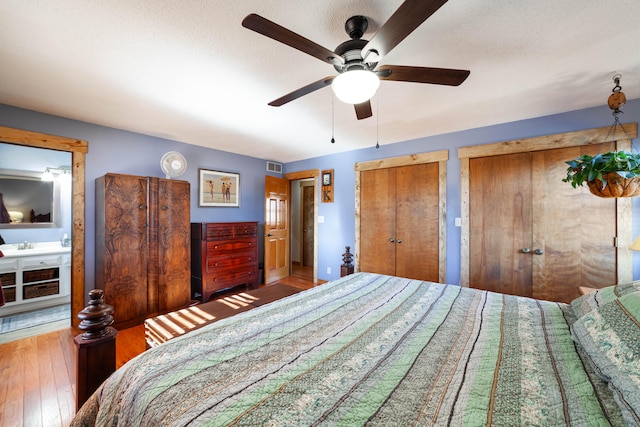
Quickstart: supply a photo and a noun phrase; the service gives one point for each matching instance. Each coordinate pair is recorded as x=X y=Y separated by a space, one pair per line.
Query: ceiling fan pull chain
x=333 y=118
x=378 y=121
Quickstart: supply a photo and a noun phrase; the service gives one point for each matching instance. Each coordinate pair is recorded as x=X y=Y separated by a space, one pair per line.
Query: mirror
x=29 y=198
x=26 y=201
x=78 y=149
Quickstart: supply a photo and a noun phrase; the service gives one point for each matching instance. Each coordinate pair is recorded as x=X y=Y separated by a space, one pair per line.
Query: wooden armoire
x=400 y=216
x=143 y=253
x=525 y=232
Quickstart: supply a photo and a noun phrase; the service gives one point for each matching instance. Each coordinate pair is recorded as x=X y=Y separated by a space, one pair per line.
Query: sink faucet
x=25 y=245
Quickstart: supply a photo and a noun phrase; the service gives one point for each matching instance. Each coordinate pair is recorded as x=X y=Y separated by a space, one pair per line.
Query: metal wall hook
x=616 y=80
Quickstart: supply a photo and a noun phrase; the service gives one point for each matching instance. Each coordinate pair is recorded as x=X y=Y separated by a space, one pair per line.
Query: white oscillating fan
x=173 y=164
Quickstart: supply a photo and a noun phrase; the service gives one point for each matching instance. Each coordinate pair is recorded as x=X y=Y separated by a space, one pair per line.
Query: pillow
x=610 y=337
x=591 y=301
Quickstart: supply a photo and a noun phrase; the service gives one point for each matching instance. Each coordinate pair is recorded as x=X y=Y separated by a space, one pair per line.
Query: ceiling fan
x=357 y=59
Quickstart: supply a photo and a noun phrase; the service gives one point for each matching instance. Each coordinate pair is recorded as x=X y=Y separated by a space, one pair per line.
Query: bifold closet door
x=399 y=221
x=500 y=223
x=417 y=221
x=533 y=235
x=574 y=229
x=378 y=221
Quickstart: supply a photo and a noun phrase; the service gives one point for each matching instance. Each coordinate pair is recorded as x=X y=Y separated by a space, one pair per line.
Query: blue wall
x=117 y=151
x=338 y=229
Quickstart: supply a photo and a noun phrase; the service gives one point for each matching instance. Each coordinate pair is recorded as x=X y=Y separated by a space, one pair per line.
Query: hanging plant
x=612 y=174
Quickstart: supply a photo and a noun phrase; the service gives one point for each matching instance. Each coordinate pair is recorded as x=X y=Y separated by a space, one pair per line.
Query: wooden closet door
x=399 y=221
x=417 y=221
x=573 y=228
x=378 y=221
x=500 y=223
x=519 y=201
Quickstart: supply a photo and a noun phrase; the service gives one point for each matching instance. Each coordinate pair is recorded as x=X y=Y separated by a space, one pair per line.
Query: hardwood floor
x=38 y=374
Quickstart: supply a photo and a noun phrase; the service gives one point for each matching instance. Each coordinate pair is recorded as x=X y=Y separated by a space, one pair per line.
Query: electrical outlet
x=328 y=270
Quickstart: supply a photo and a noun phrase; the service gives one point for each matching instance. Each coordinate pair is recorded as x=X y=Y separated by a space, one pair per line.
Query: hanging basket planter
x=612 y=174
x=614 y=185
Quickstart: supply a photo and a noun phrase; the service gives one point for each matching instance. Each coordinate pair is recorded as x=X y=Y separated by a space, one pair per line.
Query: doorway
x=303 y=228
x=304 y=260
x=78 y=149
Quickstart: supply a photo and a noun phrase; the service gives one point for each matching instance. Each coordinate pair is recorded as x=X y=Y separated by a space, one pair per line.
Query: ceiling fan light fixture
x=355 y=86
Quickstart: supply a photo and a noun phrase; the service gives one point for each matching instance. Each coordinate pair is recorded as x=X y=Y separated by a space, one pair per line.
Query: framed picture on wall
x=218 y=189
x=326 y=178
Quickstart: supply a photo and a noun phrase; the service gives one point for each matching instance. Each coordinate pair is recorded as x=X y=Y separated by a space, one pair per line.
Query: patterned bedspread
x=366 y=350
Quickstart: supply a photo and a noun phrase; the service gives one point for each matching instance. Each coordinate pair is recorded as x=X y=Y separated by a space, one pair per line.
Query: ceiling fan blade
x=305 y=90
x=363 y=110
x=405 y=19
x=274 y=31
x=436 y=76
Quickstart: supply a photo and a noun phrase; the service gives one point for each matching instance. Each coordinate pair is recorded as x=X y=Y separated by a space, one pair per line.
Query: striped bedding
x=366 y=350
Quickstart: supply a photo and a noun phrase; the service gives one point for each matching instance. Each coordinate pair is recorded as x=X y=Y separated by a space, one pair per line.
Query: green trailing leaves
x=591 y=168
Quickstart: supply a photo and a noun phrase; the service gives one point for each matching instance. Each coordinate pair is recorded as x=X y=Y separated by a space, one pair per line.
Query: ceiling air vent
x=274 y=167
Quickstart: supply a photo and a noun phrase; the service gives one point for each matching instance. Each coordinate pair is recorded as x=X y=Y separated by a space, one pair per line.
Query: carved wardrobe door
x=121 y=246
x=169 y=244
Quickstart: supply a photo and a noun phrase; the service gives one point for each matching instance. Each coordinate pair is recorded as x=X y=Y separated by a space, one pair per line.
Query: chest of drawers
x=223 y=255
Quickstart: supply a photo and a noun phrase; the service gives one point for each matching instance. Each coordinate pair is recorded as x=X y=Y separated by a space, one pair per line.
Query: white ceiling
x=188 y=71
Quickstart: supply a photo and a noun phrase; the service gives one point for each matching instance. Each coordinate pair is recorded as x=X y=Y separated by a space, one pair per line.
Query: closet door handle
x=399 y=240
x=538 y=252
x=526 y=250
x=392 y=240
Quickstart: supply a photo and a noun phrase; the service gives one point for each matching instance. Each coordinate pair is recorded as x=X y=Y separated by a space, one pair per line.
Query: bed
x=370 y=349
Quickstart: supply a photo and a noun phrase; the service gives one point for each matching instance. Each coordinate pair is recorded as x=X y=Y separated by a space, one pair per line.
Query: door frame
x=594 y=136
x=78 y=149
x=441 y=158
x=315 y=175
x=304 y=184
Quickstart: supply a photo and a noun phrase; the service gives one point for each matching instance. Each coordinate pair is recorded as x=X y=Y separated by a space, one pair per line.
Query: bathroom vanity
x=34 y=276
